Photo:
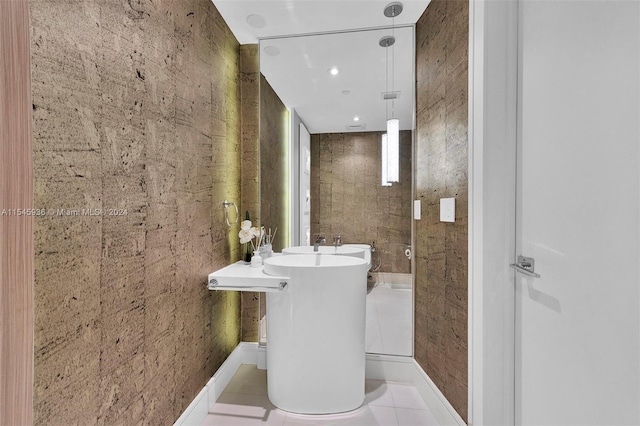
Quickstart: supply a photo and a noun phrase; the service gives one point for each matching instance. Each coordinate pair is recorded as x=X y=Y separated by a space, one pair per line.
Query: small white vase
x=256 y=261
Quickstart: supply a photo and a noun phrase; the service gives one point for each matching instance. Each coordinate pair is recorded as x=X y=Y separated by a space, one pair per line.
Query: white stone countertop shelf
x=242 y=277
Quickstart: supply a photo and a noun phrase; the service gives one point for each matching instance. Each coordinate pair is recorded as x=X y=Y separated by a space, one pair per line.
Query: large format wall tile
x=274 y=164
x=136 y=106
x=250 y=168
x=348 y=199
x=441 y=172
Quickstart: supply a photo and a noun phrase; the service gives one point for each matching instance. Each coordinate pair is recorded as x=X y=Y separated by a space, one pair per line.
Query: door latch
x=525 y=265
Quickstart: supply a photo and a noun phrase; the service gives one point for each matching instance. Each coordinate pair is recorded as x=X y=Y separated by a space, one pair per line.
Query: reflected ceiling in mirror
x=299 y=70
x=252 y=20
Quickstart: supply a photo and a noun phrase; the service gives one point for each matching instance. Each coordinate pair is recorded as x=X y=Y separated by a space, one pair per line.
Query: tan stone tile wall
x=441 y=172
x=265 y=138
x=250 y=95
x=274 y=164
x=136 y=108
x=348 y=199
x=250 y=92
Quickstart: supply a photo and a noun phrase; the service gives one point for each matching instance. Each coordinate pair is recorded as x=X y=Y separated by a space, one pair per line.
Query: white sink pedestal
x=315 y=332
x=315 y=328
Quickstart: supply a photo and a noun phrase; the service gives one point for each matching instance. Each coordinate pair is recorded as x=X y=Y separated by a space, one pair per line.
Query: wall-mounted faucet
x=337 y=240
x=320 y=240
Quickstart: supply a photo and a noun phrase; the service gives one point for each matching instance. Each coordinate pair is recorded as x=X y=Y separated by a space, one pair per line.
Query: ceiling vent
x=387 y=96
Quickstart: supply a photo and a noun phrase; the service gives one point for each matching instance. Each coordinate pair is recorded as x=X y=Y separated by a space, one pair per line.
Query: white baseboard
x=378 y=367
x=392 y=278
x=389 y=367
x=440 y=406
x=407 y=370
x=196 y=412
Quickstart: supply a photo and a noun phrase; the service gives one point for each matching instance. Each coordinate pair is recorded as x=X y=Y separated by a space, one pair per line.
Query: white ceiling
x=299 y=72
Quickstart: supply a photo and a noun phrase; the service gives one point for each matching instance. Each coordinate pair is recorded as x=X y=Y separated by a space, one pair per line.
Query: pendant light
x=391 y=140
x=385 y=161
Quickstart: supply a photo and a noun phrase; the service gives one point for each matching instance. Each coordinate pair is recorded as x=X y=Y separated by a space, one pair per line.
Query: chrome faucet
x=337 y=240
x=319 y=240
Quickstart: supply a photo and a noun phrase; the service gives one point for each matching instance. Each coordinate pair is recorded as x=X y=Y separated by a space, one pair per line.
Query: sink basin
x=277 y=264
x=340 y=250
x=356 y=250
x=365 y=247
x=315 y=332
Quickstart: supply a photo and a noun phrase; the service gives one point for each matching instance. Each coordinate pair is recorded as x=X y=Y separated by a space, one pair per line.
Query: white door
x=578 y=325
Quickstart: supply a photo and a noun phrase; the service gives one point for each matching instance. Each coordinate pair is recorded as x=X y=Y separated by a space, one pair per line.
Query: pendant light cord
x=386 y=79
x=393 y=61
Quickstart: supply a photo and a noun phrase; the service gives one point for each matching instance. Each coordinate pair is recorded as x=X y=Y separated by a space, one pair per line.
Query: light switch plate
x=447 y=209
x=417 y=206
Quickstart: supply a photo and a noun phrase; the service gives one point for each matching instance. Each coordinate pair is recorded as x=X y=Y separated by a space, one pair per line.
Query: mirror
x=327 y=128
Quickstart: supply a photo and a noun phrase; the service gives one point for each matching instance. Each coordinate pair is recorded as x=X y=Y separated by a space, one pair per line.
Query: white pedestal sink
x=316 y=331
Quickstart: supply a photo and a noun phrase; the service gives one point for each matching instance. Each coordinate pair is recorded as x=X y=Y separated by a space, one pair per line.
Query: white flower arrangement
x=248 y=233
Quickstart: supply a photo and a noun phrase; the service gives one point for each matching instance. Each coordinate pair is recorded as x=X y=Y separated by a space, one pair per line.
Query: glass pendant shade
x=385 y=164
x=393 y=150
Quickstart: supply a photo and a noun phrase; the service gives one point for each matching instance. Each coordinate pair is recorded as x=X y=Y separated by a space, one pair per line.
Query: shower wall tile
x=347 y=198
x=441 y=171
x=136 y=106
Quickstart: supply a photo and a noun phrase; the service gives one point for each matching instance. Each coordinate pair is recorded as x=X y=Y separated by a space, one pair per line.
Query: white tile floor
x=245 y=402
x=389 y=317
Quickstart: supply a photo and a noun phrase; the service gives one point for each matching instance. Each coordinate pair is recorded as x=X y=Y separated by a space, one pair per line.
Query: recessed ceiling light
x=334 y=71
x=356 y=118
x=356 y=127
x=256 y=21
x=271 y=50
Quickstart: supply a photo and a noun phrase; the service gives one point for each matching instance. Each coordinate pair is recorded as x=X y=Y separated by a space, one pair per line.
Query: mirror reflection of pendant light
x=390 y=141
x=391 y=156
x=385 y=163
x=393 y=150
